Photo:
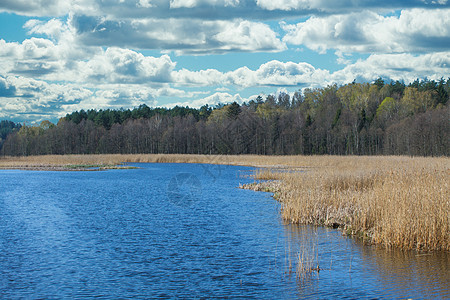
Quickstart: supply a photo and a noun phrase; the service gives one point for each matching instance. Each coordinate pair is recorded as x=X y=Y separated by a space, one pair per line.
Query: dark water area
x=184 y=231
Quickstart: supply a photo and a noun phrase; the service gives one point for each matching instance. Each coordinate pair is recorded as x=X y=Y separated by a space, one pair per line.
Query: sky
x=59 y=56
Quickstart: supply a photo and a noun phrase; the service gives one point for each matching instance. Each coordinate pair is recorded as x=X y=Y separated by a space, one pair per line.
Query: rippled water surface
x=183 y=231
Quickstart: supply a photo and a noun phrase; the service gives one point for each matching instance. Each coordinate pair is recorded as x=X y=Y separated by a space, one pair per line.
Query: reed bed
x=394 y=201
x=273 y=162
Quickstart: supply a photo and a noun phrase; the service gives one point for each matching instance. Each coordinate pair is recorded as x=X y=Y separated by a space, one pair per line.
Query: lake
x=184 y=231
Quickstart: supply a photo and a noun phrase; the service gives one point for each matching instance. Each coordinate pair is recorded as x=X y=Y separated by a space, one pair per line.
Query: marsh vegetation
x=393 y=201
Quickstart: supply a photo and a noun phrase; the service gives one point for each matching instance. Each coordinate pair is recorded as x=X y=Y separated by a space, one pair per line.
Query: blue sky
x=58 y=56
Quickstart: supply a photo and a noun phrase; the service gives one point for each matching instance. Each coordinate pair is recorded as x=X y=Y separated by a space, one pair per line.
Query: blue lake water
x=183 y=231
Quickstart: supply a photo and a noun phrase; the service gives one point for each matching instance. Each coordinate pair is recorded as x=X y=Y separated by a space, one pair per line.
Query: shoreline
x=392 y=201
x=46 y=168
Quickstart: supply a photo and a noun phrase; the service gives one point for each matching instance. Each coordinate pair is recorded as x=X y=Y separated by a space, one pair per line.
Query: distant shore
x=65 y=168
x=394 y=201
x=46 y=168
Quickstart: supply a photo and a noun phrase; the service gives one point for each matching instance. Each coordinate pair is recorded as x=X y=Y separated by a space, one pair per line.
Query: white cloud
x=35 y=100
x=276 y=73
x=40 y=58
x=284 y=4
x=36 y=8
x=127 y=66
x=333 y=6
x=406 y=67
x=272 y=73
x=198 y=78
x=53 y=28
x=182 y=35
x=194 y=3
x=7 y=89
x=204 y=9
x=414 y=30
x=403 y=66
x=144 y=3
x=35 y=57
x=34 y=48
x=248 y=36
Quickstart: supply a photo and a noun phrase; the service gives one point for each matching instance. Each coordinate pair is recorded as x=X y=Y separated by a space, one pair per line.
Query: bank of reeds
x=394 y=201
x=114 y=159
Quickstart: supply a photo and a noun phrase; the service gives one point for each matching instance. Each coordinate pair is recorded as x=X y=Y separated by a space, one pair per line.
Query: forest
x=354 y=119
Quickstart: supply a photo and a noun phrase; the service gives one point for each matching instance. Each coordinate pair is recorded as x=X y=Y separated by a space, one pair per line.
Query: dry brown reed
x=308 y=254
x=112 y=159
x=394 y=201
x=307 y=263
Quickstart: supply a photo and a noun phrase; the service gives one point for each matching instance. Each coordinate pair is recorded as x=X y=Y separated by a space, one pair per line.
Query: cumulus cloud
x=36 y=8
x=272 y=73
x=204 y=9
x=198 y=78
x=248 y=36
x=276 y=73
x=184 y=35
x=56 y=58
x=116 y=65
x=285 y=4
x=194 y=3
x=34 y=48
x=41 y=58
x=416 y=30
x=332 y=6
x=53 y=28
x=35 y=57
x=35 y=100
x=6 y=88
x=403 y=66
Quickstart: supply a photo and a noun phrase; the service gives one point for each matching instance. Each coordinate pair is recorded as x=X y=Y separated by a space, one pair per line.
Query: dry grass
x=112 y=159
x=394 y=201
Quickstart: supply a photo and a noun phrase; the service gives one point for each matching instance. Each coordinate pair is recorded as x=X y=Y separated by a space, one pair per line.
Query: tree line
x=354 y=119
